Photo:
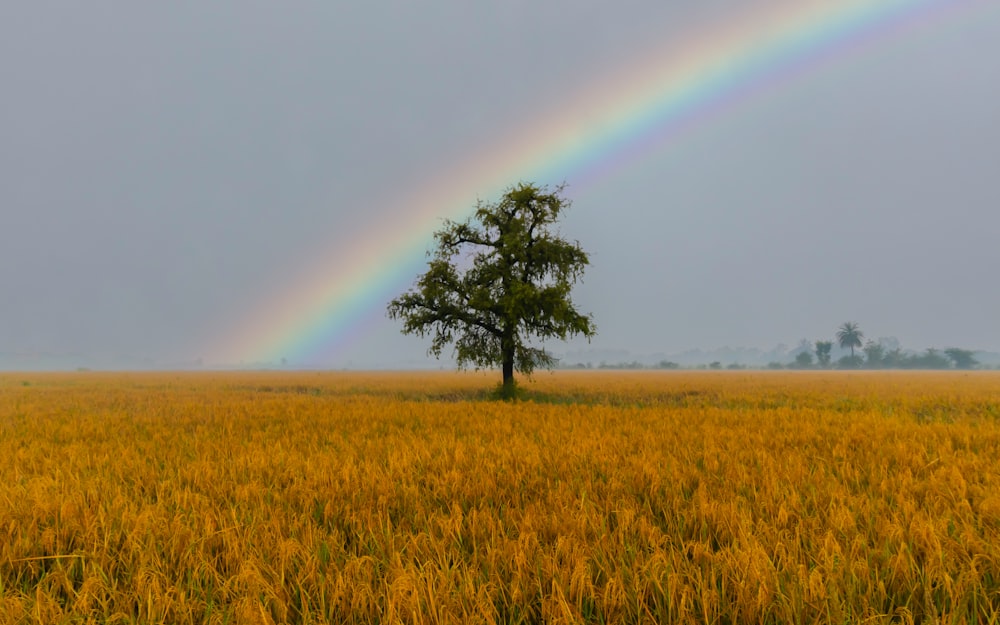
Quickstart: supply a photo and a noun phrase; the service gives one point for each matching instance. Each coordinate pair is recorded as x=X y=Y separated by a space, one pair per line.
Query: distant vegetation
x=857 y=352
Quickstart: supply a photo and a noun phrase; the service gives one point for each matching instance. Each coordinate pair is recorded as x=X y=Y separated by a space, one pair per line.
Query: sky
x=169 y=171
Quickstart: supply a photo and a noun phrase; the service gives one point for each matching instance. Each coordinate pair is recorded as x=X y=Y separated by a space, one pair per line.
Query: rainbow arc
x=610 y=122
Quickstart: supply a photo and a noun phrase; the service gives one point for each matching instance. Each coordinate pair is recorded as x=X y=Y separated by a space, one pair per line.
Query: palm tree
x=850 y=335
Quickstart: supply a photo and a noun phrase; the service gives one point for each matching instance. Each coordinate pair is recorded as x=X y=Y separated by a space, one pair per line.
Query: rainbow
x=611 y=122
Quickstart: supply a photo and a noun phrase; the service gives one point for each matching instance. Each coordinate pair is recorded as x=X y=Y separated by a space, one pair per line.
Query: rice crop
x=625 y=497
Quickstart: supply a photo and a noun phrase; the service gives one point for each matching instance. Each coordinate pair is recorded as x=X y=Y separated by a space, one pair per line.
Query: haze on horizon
x=165 y=169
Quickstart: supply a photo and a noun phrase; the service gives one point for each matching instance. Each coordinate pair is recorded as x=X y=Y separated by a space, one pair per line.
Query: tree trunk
x=507 y=348
x=508 y=372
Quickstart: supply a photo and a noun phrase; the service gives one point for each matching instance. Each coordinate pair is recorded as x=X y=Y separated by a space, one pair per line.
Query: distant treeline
x=930 y=359
x=819 y=355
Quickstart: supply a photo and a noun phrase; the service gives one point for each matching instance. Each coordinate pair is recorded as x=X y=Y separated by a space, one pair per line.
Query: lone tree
x=497 y=281
x=850 y=335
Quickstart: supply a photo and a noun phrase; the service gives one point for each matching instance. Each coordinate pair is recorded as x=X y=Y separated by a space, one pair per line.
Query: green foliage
x=849 y=335
x=514 y=288
x=874 y=355
x=962 y=358
x=823 y=349
x=635 y=364
x=804 y=360
x=930 y=359
x=895 y=359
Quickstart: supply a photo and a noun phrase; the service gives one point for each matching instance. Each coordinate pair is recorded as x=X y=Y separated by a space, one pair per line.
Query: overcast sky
x=167 y=167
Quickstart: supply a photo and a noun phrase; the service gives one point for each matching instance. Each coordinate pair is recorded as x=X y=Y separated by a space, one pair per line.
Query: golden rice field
x=635 y=497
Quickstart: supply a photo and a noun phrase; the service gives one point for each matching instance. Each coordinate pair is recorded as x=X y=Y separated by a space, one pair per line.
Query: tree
x=823 y=349
x=850 y=335
x=514 y=286
x=874 y=354
x=804 y=360
x=963 y=358
x=850 y=362
x=930 y=359
x=895 y=358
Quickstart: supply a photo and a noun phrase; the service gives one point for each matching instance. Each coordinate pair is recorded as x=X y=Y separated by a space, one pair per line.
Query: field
x=713 y=497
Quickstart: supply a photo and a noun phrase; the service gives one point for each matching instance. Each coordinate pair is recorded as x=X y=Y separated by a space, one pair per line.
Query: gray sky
x=166 y=168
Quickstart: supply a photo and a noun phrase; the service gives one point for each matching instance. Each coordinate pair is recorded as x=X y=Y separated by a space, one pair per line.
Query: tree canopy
x=850 y=335
x=499 y=282
x=823 y=349
x=963 y=358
